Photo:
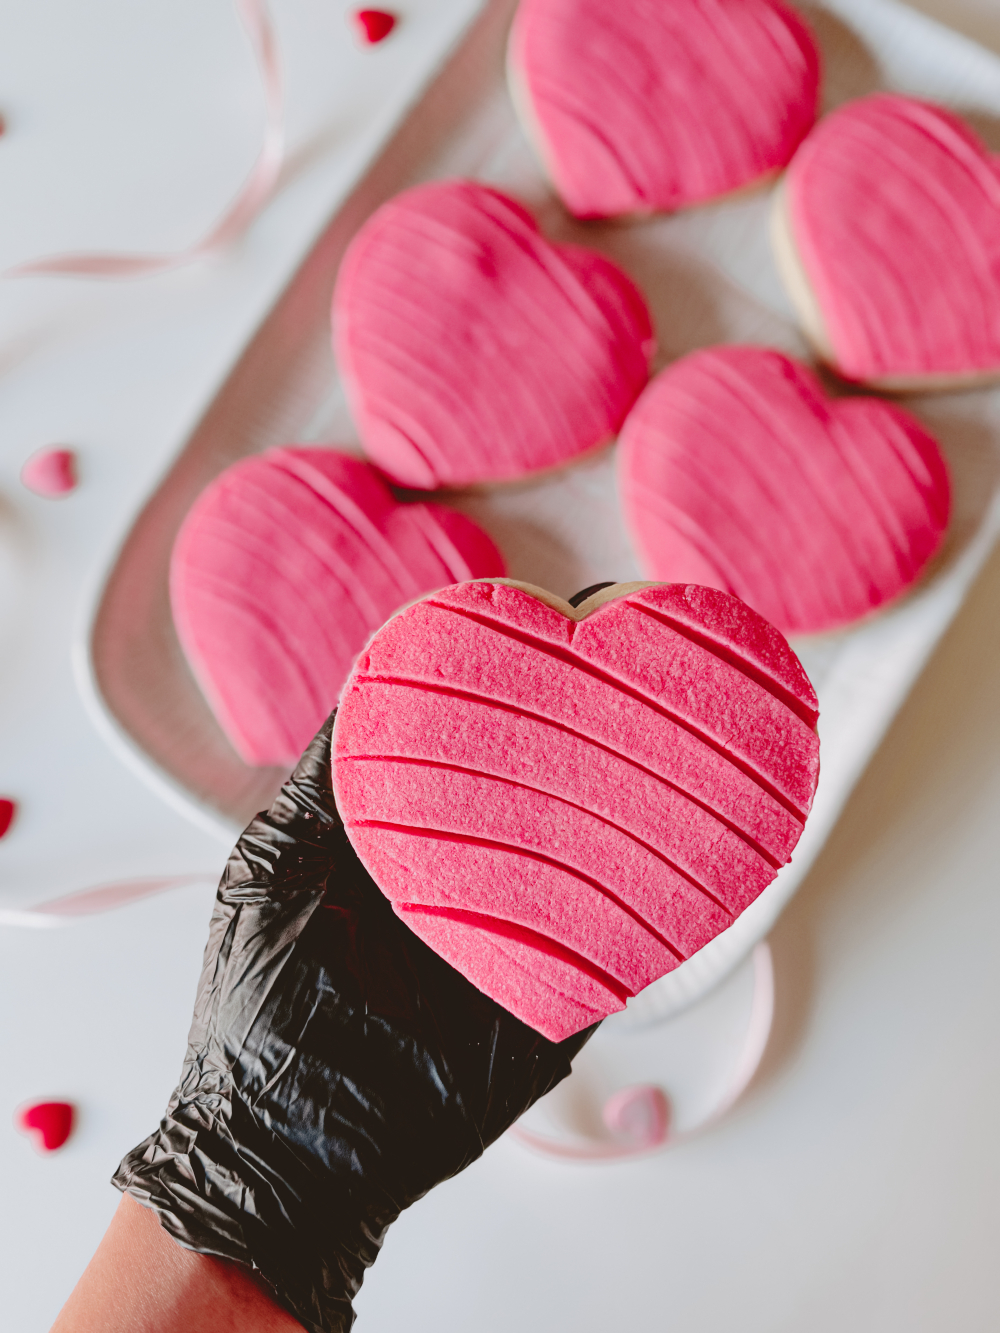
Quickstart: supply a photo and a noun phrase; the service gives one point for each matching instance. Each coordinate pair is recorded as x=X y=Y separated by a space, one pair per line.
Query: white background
x=856 y=1186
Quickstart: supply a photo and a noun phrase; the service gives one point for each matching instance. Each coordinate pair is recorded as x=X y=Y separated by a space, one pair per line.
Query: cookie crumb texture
x=566 y=810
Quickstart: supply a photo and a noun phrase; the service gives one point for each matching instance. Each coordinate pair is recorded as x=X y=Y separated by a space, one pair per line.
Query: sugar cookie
x=565 y=803
x=737 y=471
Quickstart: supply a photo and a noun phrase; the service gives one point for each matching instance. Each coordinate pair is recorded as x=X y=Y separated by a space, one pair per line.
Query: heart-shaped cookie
x=283 y=568
x=738 y=472
x=474 y=350
x=887 y=231
x=567 y=803
x=640 y=106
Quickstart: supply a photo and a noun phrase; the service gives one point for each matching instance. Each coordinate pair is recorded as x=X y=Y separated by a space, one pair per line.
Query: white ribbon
x=74 y=907
x=639 y=1116
x=241 y=212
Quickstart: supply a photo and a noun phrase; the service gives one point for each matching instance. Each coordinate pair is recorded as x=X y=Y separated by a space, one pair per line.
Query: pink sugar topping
x=566 y=810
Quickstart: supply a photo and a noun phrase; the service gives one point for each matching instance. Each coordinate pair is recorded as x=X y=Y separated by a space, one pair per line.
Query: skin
x=141 y=1281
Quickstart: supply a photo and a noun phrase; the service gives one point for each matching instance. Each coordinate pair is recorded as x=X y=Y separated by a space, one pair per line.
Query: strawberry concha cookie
x=567 y=801
x=737 y=471
x=887 y=233
x=645 y=106
x=475 y=351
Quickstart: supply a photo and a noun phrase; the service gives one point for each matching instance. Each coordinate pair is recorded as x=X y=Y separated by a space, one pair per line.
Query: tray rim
x=713 y=963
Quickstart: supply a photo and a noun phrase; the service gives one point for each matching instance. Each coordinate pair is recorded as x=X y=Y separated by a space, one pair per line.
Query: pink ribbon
x=241 y=212
x=639 y=1116
x=90 y=902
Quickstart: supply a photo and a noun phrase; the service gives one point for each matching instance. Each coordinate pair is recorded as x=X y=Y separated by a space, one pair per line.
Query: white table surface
x=855 y=1187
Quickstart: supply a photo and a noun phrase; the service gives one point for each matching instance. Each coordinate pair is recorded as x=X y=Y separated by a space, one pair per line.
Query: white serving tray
x=709 y=277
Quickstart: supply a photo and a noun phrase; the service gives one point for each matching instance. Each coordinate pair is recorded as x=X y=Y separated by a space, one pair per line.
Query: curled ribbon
x=241 y=212
x=639 y=1116
x=90 y=902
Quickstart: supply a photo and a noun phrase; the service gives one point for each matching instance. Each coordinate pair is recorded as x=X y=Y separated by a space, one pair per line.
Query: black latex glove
x=336 y=1069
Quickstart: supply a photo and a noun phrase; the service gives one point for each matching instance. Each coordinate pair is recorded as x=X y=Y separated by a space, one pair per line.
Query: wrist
x=141 y=1279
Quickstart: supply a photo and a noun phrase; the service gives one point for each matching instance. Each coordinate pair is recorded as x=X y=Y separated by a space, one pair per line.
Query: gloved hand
x=336 y=1068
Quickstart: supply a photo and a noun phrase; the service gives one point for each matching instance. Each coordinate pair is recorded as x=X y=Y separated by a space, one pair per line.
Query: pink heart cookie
x=283 y=568
x=738 y=472
x=567 y=803
x=472 y=349
x=888 y=234
x=641 y=106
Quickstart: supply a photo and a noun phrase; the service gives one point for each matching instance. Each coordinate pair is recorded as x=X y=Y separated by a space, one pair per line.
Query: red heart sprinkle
x=7 y=811
x=739 y=473
x=373 y=25
x=51 y=1123
x=640 y=1113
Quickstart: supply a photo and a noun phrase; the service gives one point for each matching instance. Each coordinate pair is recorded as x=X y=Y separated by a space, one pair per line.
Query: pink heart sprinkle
x=50 y=472
x=49 y=1123
x=7 y=811
x=567 y=809
x=374 y=25
x=640 y=1114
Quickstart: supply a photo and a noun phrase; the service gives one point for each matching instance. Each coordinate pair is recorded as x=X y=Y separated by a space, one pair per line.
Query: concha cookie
x=737 y=471
x=283 y=568
x=565 y=803
x=643 y=106
x=472 y=349
x=887 y=233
